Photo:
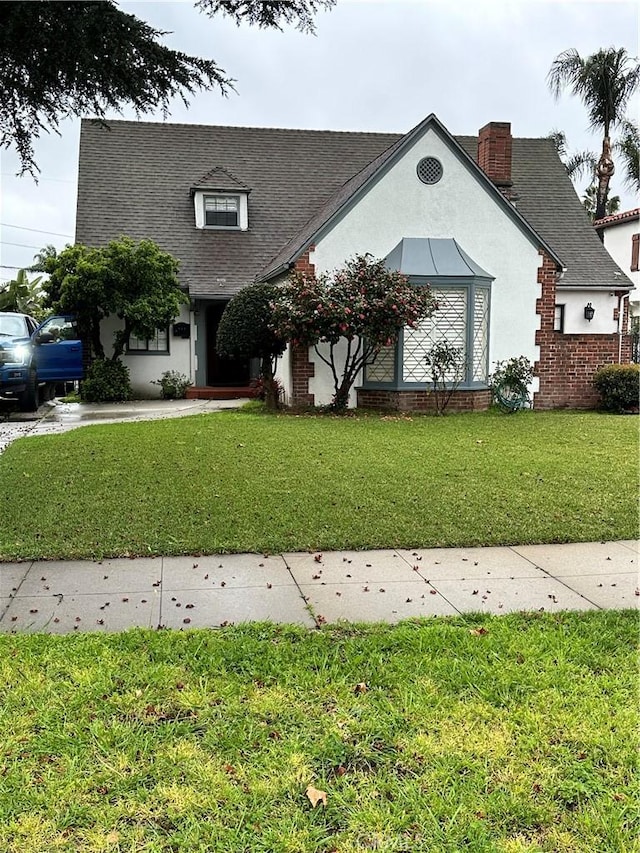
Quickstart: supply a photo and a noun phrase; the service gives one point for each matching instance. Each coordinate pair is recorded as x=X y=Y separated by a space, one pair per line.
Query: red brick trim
x=422 y=401
x=302 y=368
x=568 y=362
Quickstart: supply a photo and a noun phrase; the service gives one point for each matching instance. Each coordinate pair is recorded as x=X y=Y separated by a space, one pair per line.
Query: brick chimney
x=494 y=153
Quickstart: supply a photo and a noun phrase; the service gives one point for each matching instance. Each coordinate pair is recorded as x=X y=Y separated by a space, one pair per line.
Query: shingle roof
x=136 y=178
x=219 y=179
x=548 y=201
x=349 y=193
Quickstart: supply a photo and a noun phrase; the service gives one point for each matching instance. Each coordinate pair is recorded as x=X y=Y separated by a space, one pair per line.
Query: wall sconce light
x=589 y=311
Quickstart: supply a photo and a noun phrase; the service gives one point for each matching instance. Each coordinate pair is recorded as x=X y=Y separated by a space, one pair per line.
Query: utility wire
x=22 y=245
x=37 y=230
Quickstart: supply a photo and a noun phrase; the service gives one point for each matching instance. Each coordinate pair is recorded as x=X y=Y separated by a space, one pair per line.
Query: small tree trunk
x=271 y=396
x=341 y=397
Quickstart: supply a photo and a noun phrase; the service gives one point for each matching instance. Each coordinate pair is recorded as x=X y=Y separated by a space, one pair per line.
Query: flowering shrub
x=363 y=302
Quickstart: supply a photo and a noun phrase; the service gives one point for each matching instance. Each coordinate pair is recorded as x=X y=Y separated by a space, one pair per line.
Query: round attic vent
x=429 y=170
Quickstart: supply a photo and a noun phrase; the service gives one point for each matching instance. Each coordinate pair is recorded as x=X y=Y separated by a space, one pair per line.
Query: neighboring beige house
x=492 y=223
x=621 y=237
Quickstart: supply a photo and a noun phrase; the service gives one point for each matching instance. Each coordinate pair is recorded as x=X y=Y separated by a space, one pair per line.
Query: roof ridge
x=241 y=127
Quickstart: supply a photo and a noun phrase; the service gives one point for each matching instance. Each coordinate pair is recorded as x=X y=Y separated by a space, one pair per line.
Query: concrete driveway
x=56 y=417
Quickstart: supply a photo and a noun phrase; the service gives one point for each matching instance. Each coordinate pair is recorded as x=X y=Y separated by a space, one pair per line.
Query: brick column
x=302 y=368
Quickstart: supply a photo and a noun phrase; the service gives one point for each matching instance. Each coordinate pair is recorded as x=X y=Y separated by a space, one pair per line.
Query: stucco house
x=491 y=222
x=620 y=234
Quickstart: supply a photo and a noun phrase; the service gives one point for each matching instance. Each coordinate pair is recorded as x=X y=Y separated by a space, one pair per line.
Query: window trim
x=558 y=319
x=635 y=252
x=199 y=202
x=468 y=383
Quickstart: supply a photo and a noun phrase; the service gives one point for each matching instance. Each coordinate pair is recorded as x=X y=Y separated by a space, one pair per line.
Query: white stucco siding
x=618 y=242
x=399 y=205
x=283 y=374
x=321 y=385
x=604 y=304
x=143 y=367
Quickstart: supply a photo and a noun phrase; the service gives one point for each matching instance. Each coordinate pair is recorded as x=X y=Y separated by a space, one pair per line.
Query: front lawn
x=492 y=735
x=238 y=482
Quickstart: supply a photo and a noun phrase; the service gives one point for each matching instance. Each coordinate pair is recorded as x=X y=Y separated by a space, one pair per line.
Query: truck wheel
x=28 y=400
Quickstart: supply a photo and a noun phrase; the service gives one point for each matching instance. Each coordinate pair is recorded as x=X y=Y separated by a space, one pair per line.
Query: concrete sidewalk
x=312 y=589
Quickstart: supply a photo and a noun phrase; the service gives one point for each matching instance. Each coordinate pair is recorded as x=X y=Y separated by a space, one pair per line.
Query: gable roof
x=219 y=179
x=137 y=178
x=349 y=194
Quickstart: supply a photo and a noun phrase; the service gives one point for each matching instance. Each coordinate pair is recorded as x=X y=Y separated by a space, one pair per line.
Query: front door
x=230 y=372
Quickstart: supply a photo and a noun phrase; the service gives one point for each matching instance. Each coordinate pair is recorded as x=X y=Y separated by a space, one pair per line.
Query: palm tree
x=628 y=145
x=579 y=163
x=590 y=198
x=604 y=82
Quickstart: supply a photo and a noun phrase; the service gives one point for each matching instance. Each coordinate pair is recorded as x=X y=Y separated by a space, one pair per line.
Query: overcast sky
x=377 y=66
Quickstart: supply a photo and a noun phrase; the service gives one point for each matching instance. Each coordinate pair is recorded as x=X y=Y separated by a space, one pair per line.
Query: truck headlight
x=14 y=355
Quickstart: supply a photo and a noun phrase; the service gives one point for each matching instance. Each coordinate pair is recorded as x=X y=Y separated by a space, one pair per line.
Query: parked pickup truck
x=32 y=366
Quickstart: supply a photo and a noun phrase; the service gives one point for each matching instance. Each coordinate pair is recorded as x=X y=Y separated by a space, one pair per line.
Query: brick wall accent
x=494 y=152
x=567 y=363
x=302 y=368
x=422 y=401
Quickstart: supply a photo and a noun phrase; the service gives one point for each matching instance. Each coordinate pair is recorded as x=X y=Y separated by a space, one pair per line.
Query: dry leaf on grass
x=360 y=688
x=315 y=796
x=478 y=632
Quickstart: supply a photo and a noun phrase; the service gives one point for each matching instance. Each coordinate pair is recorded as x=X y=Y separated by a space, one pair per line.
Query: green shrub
x=173 y=385
x=619 y=386
x=106 y=381
x=509 y=383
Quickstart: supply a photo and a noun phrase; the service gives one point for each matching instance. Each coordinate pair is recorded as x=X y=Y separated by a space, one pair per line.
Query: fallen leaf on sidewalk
x=315 y=796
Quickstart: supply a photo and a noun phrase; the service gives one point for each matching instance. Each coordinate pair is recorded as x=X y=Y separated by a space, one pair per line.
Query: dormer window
x=221 y=201
x=221 y=211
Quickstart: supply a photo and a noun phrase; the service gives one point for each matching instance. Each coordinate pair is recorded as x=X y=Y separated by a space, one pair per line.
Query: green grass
x=523 y=738
x=244 y=482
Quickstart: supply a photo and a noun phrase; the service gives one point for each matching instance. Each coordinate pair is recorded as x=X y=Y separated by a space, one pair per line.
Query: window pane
x=558 y=318
x=448 y=323
x=383 y=368
x=159 y=343
x=137 y=343
x=221 y=211
x=481 y=336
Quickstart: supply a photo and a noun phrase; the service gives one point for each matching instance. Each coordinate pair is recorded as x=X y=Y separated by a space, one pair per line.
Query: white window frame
x=200 y=198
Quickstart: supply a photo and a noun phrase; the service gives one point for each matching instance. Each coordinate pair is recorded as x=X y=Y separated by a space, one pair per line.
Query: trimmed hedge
x=619 y=386
x=106 y=382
